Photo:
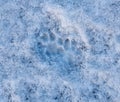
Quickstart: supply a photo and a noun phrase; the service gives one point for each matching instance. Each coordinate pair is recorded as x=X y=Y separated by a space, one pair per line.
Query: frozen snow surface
x=59 y=50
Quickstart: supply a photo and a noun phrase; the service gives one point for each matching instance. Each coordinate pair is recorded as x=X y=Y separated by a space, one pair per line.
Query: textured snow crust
x=59 y=51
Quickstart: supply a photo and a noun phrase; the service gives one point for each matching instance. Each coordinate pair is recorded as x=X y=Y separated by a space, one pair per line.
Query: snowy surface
x=59 y=50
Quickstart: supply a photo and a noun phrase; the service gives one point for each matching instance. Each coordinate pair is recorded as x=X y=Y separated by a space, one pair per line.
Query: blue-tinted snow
x=59 y=51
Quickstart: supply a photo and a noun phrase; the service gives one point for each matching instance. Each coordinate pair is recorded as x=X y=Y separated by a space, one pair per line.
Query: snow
x=59 y=50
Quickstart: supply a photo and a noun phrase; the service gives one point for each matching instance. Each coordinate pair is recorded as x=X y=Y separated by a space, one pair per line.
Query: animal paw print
x=53 y=46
